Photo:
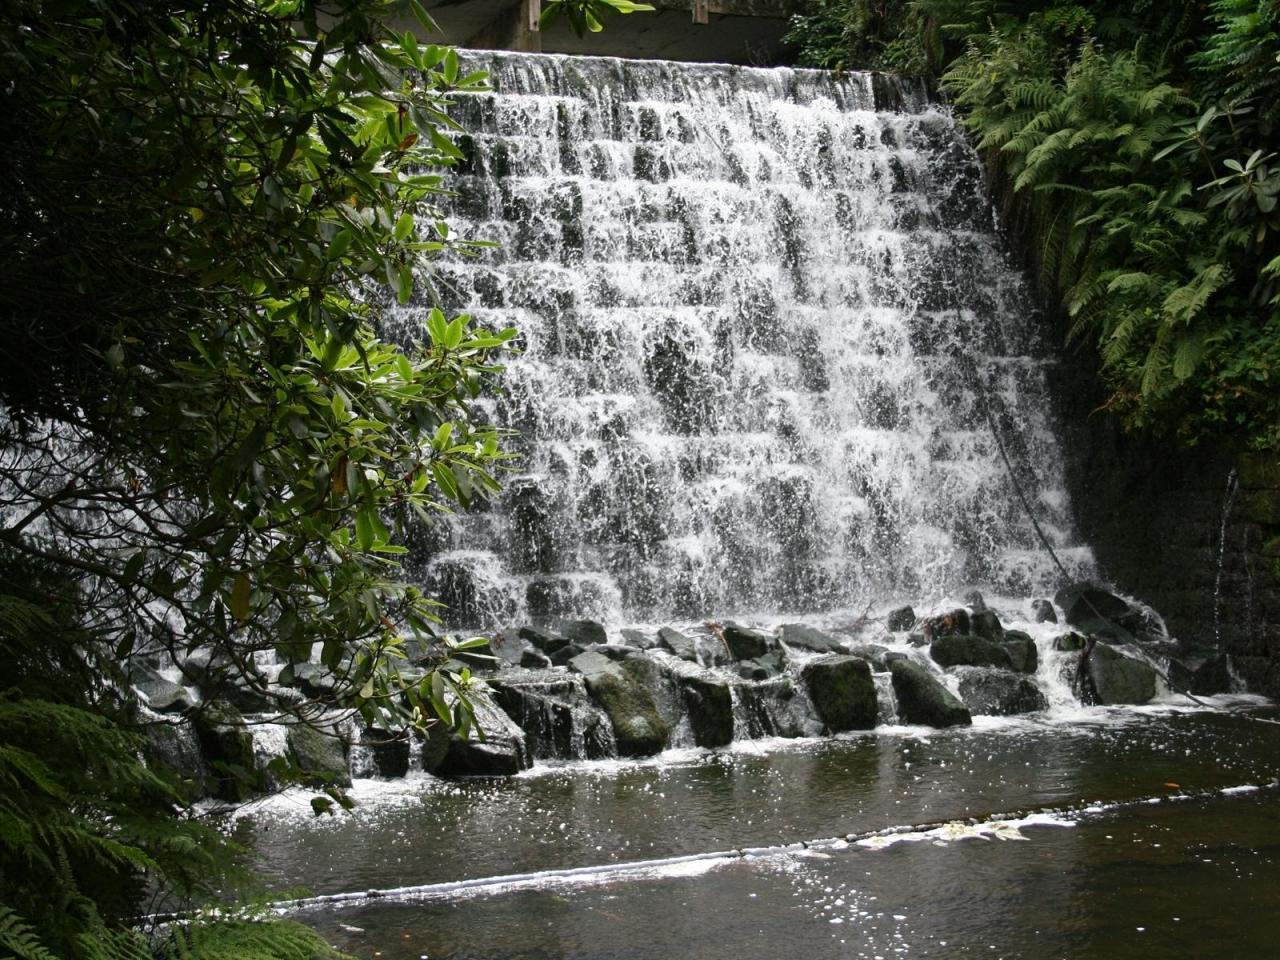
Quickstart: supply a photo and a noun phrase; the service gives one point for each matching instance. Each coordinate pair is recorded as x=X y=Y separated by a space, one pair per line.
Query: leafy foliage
x=587 y=15
x=1130 y=142
x=205 y=204
x=213 y=442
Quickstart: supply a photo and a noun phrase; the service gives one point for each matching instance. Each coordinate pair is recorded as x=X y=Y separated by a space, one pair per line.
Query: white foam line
x=998 y=826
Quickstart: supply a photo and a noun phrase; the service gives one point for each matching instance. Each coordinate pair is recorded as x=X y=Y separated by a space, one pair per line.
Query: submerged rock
x=1022 y=651
x=956 y=650
x=1119 y=679
x=922 y=699
x=842 y=691
x=1000 y=693
x=709 y=706
x=809 y=638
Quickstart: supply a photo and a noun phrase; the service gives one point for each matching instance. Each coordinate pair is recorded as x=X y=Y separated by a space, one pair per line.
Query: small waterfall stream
x=742 y=294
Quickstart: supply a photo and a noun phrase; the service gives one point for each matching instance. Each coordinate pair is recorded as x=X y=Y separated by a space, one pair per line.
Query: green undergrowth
x=1132 y=148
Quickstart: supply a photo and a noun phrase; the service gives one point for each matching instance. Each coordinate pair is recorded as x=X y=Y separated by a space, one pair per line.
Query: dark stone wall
x=1194 y=532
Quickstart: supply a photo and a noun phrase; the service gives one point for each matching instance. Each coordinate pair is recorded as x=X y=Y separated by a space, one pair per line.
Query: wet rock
x=315 y=680
x=999 y=693
x=227 y=747
x=554 y=715
x=675 y=642
x=956 y=650
x=532 y=659
x=917 y=639
x=163 y=696
x=566 y=653
x=762 y=668
x=984 y=623
x=874 y=654
x=639 y=639
x=842 y=691
x=432 y=748
x=709 y=706
x=1070 y=642
x=509 y=647
x=546 y=639
x=1022 y=651
x=638 y=728
x=1119 y=679
x=584 y=632
x=389 y=752
x=1097 y=611
x=504 y=750
x=483 y=657
x=174 y=744
x=592 y=663
x=809 y=638
x=321 y=752
x=745 y=643
x=617 y=652
x=904 y=618
x=922 y=699
x=1204 y=675
x=957 y=621
x=1042 y=611
x=975 y=601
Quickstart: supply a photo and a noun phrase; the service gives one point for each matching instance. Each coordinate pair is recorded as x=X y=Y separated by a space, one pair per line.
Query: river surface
x=1147 y=832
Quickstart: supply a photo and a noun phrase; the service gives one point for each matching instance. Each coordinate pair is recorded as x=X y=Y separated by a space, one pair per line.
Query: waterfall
x=748 y=300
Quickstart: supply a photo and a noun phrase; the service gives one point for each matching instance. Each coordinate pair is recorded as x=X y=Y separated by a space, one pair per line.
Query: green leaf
x=241 y=593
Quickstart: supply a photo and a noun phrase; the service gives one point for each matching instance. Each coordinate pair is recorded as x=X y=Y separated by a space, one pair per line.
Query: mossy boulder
x=1022 y=651
x=922 y=699
x=227 y=746
x=842 y=691
x=320 y=752
x=956 y=649
x=984 y=623
x=1119 y=679
x=638 y=728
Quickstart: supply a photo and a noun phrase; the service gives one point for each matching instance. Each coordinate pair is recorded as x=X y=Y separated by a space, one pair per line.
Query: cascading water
x=750 y=302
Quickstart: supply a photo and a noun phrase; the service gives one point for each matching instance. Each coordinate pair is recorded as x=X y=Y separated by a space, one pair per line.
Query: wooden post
x=700 y=12
x=535 y=14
